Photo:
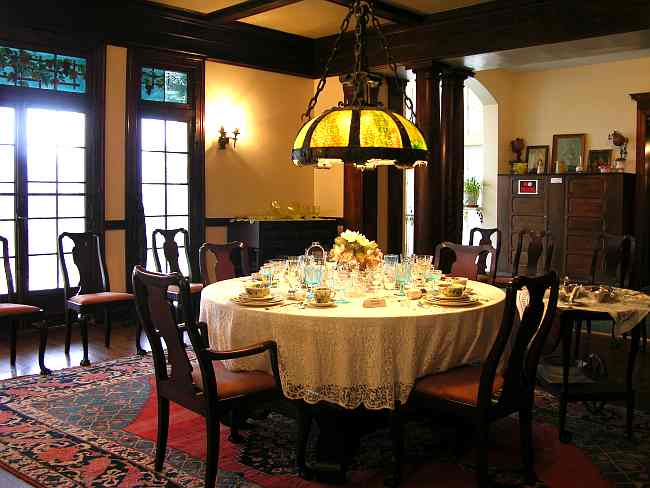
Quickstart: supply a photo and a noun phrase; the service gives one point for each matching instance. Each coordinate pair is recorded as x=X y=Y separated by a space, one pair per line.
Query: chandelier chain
x=392 y=64
x=323 y=80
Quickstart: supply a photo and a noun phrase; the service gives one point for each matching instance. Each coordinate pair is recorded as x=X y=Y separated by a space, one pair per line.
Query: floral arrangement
x=352 y=247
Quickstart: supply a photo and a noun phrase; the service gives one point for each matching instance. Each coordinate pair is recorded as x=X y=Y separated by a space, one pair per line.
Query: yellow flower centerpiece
x=353 y=247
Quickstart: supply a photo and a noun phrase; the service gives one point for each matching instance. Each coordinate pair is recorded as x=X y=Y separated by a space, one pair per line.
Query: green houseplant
x=472 y=188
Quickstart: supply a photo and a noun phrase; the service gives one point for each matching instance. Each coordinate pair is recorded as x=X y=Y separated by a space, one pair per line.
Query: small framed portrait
x=527 y=187
x=537 y=156
x=599 y=158
x=569 y=151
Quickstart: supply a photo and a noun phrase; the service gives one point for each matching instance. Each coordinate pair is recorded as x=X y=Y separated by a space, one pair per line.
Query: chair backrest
x=485 y=237
x=87 y=258
x=158 y=319
x=230 y=261
x=538 y=244
x=8 y=276
x=526 y=340
x=612 y=260
x=467 y=261
x=170 y=249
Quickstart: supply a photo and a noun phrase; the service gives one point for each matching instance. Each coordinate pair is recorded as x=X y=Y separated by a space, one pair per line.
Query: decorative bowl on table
x=453 y=291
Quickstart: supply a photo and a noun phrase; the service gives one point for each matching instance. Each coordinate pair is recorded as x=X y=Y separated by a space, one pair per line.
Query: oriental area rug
x=96 y=427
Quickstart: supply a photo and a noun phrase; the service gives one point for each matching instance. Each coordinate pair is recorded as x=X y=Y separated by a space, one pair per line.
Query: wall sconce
x=224 y=139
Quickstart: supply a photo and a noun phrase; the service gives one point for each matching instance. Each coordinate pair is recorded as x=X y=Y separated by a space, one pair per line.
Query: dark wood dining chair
x=228 y=261
x=467 y=261
x=12 y=313
x=612 y=264
x=203 y=386
x=486 y=393
x=536 y=245
x=92 y=295
x=170 y=255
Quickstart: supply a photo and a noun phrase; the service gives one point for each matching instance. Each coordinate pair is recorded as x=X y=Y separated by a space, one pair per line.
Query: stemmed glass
x=342 y=281
x=292 y=266
x=403 y=275
x=313 y=273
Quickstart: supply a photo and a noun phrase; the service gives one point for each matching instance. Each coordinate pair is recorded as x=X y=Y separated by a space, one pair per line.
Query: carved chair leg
x=13 y=326
x=526 y=436
x=138 y=334
x=41 y=348
x=576 y=353
x=482 y=475
x=304 y=428
x=212 y=455
x=107 y=325
x=235 y=421
x=397 y=439
x=68 y=329
x=83 y=325
x=163 y=430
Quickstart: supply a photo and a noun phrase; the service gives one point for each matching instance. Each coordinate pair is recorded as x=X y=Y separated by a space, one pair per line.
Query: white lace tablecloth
x=350 y=355
x=631 y=308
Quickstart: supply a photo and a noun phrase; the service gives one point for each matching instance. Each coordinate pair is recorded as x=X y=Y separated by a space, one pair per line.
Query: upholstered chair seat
x=456 y=385
x=7 y=309
x=231 y=384
x=194 y=288
x=88 y=299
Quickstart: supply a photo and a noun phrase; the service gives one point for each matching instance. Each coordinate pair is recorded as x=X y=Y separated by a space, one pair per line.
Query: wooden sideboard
x=268 y=239
x=575 y=208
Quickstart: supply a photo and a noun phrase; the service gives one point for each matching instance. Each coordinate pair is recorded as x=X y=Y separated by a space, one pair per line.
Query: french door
x=42 y=191
x=164 y=158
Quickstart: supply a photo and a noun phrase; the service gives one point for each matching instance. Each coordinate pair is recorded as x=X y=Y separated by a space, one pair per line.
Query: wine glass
x=342 y=281
x=403 y=275
x=313 y=274
x=292 y=266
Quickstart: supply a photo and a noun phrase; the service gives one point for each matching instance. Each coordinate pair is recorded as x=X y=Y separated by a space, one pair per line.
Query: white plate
x=459 y=303
x=256 y=303
x=444 y=297
x=314 y=304
x=247 y=297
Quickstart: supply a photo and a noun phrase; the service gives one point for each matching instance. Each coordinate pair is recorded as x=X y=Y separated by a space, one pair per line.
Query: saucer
x=315 y=304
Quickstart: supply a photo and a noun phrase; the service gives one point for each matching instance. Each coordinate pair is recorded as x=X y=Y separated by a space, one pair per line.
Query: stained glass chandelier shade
x=361 y=132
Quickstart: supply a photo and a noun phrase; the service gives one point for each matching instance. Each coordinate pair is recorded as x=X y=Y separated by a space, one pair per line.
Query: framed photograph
x=535 y=154
x=570 y=150
x=598 y=158
x=527 y=187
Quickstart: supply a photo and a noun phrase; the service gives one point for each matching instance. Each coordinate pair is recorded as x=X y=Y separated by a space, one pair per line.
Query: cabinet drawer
x=578 y=265
x=585 y=207
x=528 y=205
x=584 y=224
x=532 y=222
x=581 y=244
x=586 y=186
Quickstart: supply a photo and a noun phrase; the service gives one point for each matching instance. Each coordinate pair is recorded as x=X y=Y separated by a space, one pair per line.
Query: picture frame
x=598 y=158
x=570 y=150
x=533 y=155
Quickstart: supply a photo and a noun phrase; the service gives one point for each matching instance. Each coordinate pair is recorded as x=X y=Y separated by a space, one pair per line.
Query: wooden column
x=395 y=180
x=642 y=195
x=353 y=198
x=428 y=215
x=452 y=152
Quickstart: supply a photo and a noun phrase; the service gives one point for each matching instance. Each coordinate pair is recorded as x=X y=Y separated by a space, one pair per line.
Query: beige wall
x=591 y=99
x=266 y=108
x=114 y=171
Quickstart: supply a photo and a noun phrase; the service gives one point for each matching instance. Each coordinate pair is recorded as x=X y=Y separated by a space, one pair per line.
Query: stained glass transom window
x=37 y=69
x=161 y=85
x=378 y=129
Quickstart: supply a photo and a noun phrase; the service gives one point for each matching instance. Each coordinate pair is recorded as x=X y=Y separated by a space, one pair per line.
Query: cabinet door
x=555 y=218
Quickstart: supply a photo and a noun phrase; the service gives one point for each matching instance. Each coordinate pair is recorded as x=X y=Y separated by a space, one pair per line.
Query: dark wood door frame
x=642 y=203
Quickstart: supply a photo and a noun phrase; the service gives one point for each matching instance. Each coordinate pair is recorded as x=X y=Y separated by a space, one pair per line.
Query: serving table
x=349 y=355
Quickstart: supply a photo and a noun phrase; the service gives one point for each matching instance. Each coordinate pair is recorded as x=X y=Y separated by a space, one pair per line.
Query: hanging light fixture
x=360 y=131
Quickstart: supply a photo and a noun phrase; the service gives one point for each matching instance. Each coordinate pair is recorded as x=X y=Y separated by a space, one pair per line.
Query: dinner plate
x=454 y=303
x=256 y=303
x=314 y=304
x=461 y=298
x=268 y=298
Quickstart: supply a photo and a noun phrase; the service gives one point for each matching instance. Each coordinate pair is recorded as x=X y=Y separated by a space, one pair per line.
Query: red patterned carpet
x=96 y=427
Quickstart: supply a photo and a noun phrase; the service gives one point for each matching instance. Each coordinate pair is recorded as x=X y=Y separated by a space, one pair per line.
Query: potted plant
x=472 y=189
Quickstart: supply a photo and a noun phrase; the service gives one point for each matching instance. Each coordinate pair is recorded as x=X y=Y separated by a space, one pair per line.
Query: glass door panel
x=165 y=189
x=56 y=189
x=7 y=187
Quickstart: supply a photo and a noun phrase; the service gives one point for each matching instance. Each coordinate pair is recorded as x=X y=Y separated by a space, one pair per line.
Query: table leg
x=566 y=329
x=629 y=376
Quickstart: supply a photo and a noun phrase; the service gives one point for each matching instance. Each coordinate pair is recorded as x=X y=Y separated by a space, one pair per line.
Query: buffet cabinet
x=575 y=208
x=269 y=239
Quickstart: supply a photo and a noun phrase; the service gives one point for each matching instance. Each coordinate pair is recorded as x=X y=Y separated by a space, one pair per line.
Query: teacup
x=258 y=290
x=323 y=294
x=453 y=291
x=460 y=281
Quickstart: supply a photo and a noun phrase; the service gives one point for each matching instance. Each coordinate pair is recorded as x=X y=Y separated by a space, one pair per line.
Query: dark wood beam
x=495 y=26
x=246 y=9
x=148 y=24
x=389 y=12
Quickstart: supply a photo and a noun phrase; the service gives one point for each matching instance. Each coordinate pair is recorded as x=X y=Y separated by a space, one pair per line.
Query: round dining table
x=350 y=355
